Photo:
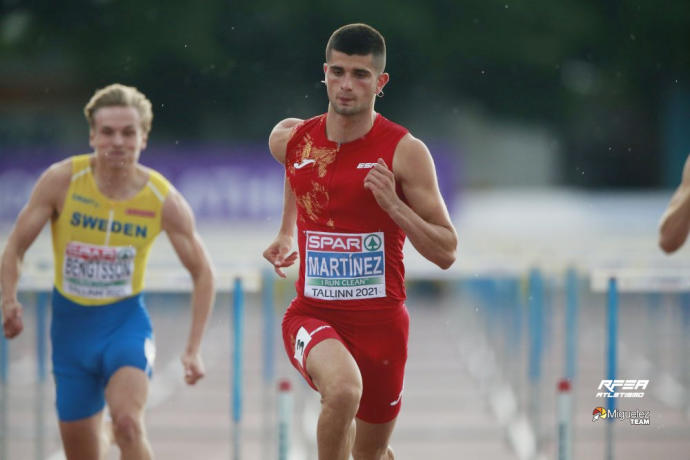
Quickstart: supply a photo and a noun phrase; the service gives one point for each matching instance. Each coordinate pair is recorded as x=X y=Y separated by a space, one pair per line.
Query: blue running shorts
x=90 y=344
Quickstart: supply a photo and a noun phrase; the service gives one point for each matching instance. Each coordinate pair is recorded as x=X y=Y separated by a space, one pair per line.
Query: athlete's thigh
x=381 y=353
x=77 y=346
x=127 y=391
x=81 y=439
x=329 y=362
x=304 y=334
x=78 y=394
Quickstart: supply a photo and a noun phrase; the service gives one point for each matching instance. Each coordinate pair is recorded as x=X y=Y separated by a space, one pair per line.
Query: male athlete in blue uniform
x=105 y=211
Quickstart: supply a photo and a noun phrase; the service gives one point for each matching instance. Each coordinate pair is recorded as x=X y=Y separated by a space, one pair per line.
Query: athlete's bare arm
x=675 y=223
x=425 y=221
x=45 y=203
x=278 y=252
x=178 y=223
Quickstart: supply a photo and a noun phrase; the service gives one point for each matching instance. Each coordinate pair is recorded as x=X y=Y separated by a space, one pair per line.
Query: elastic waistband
x=361 y=316
x=64 y=306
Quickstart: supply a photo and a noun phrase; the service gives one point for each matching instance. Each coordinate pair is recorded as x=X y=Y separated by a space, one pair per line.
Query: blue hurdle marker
x=613 y=336
x=517 y=322
x=685 y=310
x=536 y=319
x=612 y=357
x=571 y=314
x=504 y=288
x=4 y=351
x=536 y=347
x=41 y=334
x=237 y=326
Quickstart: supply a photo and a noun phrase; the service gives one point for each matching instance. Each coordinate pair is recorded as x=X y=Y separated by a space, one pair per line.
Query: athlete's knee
x=372 y=453
x=128 y=428
x=342 y=396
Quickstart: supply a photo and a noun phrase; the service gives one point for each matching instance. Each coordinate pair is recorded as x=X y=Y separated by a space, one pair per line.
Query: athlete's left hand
x=12 y=323
x=193 y=367
x=380 y=181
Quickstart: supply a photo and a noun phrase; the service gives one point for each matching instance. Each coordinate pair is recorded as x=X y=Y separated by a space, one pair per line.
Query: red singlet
x=350 y=249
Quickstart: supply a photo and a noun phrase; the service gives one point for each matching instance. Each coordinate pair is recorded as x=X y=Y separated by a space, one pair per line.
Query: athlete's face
x=352 y=82
x=117 y=136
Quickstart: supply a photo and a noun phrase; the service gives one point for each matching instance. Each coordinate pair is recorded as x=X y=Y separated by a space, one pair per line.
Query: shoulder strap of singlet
x=80 y=166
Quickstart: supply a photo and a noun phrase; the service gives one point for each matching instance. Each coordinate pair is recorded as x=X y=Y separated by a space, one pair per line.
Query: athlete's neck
x=347 y=128
x=118 y=183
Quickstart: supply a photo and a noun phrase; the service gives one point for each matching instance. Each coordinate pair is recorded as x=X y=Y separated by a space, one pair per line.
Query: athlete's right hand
x=12 y=323
x=277 y=254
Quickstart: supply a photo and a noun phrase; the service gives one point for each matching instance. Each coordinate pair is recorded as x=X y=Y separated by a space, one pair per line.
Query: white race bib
x=98 y=272
x=344 y=266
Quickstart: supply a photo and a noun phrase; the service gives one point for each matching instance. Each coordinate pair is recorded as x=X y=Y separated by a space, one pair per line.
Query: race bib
x=98 y=272
x=344 y=266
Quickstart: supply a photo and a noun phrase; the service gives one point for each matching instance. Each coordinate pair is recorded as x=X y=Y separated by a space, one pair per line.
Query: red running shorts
x=377 y=340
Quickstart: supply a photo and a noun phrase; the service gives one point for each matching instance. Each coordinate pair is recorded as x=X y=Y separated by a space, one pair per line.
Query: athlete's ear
x=92 y=134
x=382 y=81
x=325 y=68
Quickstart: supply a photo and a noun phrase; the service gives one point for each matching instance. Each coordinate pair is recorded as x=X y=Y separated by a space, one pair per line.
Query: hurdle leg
x=612 y=357
x=237 y=319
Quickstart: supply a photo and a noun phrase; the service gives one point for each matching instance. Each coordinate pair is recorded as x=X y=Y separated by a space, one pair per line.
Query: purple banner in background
x=220 y=182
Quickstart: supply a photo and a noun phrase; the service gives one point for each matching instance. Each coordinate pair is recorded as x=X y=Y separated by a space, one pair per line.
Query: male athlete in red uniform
x=356 y=185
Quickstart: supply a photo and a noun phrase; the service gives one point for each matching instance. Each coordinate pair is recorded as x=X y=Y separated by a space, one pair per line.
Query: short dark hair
x=360 y=39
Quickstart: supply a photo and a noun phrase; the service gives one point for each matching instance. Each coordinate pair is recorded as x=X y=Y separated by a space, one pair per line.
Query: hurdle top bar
x=671 y=279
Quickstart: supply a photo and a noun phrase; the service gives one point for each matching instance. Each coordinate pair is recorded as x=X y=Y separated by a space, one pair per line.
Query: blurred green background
x=601 y=87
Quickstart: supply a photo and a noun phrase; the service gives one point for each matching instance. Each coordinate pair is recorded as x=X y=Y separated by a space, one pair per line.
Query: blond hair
x=122 y=96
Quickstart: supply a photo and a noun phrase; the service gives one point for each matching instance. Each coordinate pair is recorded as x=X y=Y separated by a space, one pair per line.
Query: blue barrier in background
x=571 y=313
x=4 y=352
x=612 y=350
x=41 y=334
x=536 y=324
x=612 y=357
x=237 y=365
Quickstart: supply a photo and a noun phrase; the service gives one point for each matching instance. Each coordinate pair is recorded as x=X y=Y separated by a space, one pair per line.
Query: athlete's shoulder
x=391 y=126
x=412 y=157
x=52 y=185
x=177 y=214
x=157 y=182
x=284 y=132
x=59 y=173
x=411 y=146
